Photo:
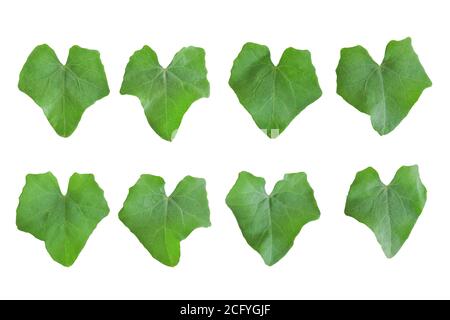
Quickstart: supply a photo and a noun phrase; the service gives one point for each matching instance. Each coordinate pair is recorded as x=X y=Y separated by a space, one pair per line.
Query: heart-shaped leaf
x=389 y=211
x=386 y=92
x=63 y=222
x=274 y=95
x=166 y=93
x=270 y=223
x=161 y=222
x=64 y=92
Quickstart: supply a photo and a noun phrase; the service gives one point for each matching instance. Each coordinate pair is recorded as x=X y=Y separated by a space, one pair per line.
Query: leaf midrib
x=269 y=229
x=379 y=71
x=386 y=191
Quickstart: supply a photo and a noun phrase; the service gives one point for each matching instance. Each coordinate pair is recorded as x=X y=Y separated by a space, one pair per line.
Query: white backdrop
x=335 y=257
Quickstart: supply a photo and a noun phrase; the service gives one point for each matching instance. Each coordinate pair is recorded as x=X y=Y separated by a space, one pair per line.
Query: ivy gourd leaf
x=166 y=93
x=270 y=223
x=161 y=222
x=389 y=211
x=274 y=95
x=63 y=222
x=64 y=92
x=386 y=92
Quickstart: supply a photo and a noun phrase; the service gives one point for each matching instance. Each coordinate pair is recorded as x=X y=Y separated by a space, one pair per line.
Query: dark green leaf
x=64 y=92
x=161 y=222
x=389 y=211
x=386 y=92
x=274 y=95
x=270 y=223
x=166 y=93
x=63 y=222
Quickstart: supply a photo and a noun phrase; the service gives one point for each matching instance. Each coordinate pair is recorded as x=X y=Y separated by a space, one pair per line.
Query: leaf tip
x=64 y=133
x=171 y=264
x=66 y=264
x=272 y=133
x=390 y=255
x=270 y=263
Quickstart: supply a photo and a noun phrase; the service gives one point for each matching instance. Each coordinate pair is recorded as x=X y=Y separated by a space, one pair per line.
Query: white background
x=335 y=257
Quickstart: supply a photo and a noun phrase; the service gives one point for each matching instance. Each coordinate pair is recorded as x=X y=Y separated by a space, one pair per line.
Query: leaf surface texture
x=270 y=223
x=274 y=95
x=166 y=93
x=64 y=92
x=386 y=92
x=63 y=222
x=390 y=211
x=161 y=222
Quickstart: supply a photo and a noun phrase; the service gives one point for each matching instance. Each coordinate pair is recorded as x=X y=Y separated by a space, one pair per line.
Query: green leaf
x=161 y=222
x=389 y=211
x=166 y=93
x=64 y=223
x=274 y=95
x=386 y=92
x=270 y=223
x=64 y=92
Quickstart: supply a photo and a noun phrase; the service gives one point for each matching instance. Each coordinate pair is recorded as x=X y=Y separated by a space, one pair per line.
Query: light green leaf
x=386 y=92
x=64 y=92
x=389 y=211
x=166 y=93
x=274 y=95
x=161 y=222
x=270 y=223
x=63 y=222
